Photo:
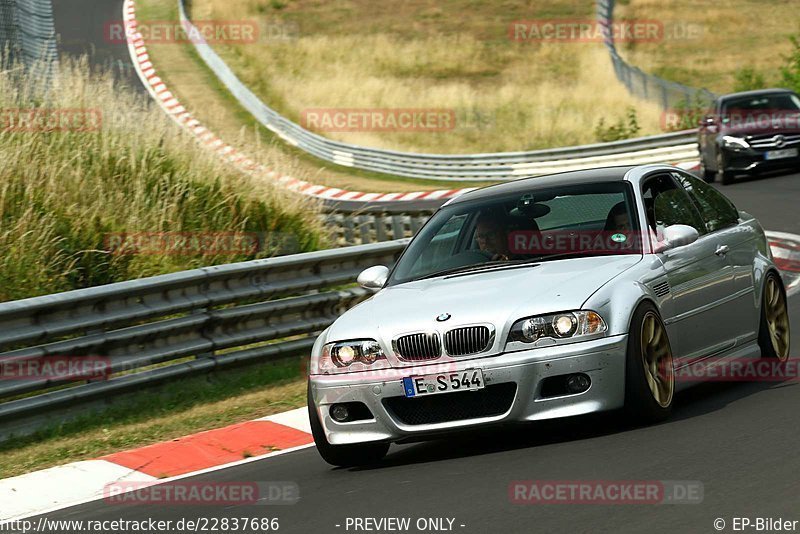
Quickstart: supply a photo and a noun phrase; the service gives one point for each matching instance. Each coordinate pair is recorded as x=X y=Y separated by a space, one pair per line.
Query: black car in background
x=749 y=132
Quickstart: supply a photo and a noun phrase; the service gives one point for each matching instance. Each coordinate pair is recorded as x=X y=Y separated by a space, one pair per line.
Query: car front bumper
x=603 y=360
x=746 y=161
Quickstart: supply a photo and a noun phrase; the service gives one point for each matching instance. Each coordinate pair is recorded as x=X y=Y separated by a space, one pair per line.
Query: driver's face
x=490 y=237
x=622 y=222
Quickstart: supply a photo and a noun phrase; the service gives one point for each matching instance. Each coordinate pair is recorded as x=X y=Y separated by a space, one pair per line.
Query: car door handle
x=722 y=250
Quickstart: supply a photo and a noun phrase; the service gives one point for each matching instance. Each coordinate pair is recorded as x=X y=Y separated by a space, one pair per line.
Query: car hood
x=495 y=297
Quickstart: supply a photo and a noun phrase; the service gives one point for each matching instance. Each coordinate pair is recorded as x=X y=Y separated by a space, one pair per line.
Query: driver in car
x=618 y=220
x=492 y=238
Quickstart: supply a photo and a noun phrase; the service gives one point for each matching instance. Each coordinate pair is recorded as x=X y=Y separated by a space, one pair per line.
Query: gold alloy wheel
x=657 y=360
x=777 y=318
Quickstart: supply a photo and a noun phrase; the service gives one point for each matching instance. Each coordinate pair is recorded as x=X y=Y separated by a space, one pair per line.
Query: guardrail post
x=363 y=225
x=397 y=226
x=380 y=227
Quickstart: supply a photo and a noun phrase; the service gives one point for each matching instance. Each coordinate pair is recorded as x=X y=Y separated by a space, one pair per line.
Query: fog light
x=578 y=383
x=340 y=413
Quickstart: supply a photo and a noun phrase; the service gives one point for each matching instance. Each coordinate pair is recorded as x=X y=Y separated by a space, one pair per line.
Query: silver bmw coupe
x=543 y=298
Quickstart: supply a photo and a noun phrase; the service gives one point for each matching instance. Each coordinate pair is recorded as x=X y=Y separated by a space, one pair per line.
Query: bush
x=687 y=113
x=63 y=192
x=625 y=128
x=790 y=74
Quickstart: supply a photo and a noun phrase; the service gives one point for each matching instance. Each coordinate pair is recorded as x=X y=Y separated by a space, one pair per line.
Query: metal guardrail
x=641 y=84
x=158 y=329
x=366 y=227
x=28 y=36
x=672 y=147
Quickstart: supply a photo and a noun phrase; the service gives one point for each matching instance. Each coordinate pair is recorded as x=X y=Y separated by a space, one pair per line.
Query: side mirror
x=708 y=120
x=373 y=277
x=678 y=235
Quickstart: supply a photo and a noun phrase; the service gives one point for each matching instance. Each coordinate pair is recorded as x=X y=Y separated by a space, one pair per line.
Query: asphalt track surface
x=738 y=439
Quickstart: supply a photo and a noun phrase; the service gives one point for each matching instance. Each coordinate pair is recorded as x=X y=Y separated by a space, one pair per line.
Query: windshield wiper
x=573 y=254
x=481 y=267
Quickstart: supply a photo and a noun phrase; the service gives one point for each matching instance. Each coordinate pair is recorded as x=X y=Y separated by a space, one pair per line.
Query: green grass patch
x=169 y=411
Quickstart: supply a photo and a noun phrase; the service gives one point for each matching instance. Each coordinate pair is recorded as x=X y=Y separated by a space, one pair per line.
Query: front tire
x=707 y=175
x=343 y=455
x=773 y=332
x=725 y=177
x=649 y=372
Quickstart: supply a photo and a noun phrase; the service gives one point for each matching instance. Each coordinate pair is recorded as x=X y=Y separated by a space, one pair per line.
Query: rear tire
x=343 y=455
x=649 y=373
x=773 y=332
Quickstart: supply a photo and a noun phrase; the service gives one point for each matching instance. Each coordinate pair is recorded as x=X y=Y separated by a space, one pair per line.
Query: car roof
x=532 y=183
x=757 y=92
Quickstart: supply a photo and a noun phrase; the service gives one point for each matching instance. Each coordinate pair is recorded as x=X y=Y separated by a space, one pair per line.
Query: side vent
x=661 y=289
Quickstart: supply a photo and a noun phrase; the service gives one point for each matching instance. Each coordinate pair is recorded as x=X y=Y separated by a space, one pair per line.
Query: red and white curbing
x=79 y=482
x=170 y=104
x=786 y=254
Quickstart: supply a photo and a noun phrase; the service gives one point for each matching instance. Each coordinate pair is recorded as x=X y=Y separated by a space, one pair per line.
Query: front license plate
x=780 y=154
x=418 y=386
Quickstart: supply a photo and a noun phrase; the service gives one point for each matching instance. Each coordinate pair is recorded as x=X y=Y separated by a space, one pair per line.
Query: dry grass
x=198 y=89
x=425 y=54
x=729 y=36
x=61 y=193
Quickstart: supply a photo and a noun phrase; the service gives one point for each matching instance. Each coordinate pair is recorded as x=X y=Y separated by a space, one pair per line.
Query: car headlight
x=571 y=324
x=736 y=143
x=349 y=357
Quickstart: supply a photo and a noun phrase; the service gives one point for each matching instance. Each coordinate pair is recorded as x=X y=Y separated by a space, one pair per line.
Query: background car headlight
x=572 y=324
x=736 y=143
x=349 y=357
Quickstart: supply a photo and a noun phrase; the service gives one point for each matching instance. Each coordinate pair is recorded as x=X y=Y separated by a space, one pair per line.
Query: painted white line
x=60 y=487
x=297 y=419
x=99 y=496
x=783 y=235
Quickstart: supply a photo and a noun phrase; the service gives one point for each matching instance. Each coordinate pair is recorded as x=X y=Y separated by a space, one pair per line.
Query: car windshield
x=783 y=102
x=522 y=229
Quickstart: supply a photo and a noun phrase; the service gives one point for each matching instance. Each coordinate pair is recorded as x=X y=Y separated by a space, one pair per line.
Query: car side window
x=717 y=211
x=667 y=204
